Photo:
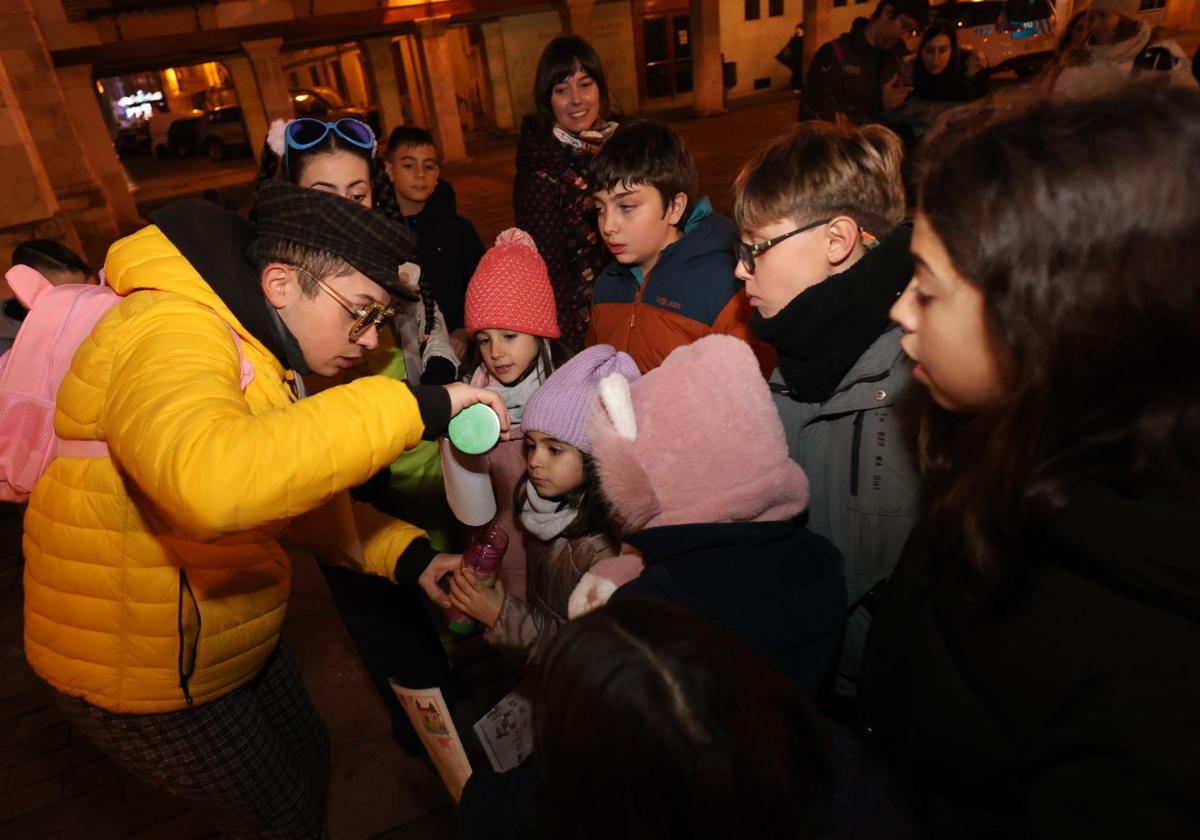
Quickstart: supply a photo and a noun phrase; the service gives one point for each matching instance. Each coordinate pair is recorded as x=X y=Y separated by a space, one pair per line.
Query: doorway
x=666 y=67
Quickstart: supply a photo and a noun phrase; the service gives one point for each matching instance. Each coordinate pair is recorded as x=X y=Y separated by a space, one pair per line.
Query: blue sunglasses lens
x=305 y=132
x=356 y=132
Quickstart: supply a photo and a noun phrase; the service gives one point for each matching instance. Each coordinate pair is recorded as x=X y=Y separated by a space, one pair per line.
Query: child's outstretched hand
x=482 y=603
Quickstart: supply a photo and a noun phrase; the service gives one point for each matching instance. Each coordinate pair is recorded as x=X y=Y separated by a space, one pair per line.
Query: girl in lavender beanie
x=560 y=508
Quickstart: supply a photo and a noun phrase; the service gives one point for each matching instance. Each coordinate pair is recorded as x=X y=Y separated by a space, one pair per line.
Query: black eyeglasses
x=745 y=254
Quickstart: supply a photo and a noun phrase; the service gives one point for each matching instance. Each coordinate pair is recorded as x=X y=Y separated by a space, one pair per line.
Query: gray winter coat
x=862 y=475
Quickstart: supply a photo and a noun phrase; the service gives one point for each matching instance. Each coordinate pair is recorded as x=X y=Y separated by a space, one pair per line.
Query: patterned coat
x=552 y=201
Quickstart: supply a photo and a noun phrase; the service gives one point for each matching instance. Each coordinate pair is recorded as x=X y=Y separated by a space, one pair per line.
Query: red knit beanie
x=510 y=289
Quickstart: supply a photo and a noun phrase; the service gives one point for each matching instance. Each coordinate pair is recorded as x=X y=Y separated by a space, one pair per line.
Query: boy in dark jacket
x=448 y=248
x=671 y=279
x=858 y=73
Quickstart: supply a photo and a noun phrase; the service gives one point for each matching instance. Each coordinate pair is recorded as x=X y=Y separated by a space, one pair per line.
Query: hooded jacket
x=448 y=249
x=1068 y=709
x=693 y=462
x=691 y=292
x=155 y=577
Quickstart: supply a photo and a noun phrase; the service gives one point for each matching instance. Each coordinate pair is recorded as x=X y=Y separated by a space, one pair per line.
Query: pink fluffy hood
x=696 y=440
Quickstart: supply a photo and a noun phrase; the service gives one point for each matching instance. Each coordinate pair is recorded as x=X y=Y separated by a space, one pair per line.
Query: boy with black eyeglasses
x=823 y=256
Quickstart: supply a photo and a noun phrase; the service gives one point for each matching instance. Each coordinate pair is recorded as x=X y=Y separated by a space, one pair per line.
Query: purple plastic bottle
x=485 y=550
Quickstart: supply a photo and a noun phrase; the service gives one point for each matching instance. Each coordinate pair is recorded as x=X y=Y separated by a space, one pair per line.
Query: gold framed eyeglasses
x=374 y=314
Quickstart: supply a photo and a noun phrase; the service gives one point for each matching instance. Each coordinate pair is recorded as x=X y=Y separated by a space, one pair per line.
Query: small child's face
x=414 y=172
x=945 y=332
x=784 y=270
x=634 y=224
x=507 y=355
x=555 y=468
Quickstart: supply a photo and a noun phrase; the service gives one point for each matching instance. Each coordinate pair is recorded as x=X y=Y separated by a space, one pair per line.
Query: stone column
x=28 y=207
x=436 y=51
x=358 y=87
x=79 y=92
x=577 y=17
x=385 y=85
x=707 y=75
x=254 y=115
x=497 y=64
x=36 y=94
x=272 y=81
x=412 y=78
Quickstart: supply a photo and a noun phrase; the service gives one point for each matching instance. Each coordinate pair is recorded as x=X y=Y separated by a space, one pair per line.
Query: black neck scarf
x=827 y=327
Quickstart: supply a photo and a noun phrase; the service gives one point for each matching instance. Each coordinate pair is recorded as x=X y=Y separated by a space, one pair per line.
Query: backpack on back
x=59 y=319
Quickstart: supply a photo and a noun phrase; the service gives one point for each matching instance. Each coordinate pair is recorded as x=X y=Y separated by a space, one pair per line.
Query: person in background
x=858 y=74
x=824 y=254
x=551 y=196
x=56 y=262
x=1031 y=668
x=1118 y=48
x=945 y=71
x=671 y=278
x=448 y=248
x=792 y=57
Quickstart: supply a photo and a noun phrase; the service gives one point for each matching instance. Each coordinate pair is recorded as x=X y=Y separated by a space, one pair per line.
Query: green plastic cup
x=475 y=429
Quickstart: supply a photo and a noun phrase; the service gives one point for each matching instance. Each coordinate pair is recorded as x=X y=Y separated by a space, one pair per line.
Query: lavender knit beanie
x=560 y=408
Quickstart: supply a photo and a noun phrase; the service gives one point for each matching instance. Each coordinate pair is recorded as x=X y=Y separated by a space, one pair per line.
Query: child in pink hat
x=560 y=508
x=693 y=461
x=510 y=315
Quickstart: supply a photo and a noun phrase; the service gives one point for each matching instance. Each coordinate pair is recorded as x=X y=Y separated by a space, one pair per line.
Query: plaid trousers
x=255 y=761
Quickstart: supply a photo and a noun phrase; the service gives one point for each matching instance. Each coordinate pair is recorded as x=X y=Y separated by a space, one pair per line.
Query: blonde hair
x=821 y=170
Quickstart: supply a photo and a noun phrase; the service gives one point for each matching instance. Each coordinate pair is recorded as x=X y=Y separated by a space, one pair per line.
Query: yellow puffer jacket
x=154 y=578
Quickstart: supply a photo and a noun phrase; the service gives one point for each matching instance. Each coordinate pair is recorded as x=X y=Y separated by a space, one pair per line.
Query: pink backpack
x=59 y=319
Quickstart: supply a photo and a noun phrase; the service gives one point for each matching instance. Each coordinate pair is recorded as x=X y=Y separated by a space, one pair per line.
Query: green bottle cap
x=475 y=429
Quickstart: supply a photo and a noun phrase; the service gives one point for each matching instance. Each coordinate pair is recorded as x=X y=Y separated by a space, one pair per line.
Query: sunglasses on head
x=305 y=132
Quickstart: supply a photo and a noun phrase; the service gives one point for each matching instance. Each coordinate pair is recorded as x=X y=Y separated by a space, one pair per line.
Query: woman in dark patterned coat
x=551 y=197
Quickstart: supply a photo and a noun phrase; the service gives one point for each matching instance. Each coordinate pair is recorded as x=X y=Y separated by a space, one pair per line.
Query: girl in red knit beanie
x=510 y=315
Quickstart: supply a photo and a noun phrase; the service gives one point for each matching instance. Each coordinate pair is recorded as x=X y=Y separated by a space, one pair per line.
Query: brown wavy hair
x=1079 y=224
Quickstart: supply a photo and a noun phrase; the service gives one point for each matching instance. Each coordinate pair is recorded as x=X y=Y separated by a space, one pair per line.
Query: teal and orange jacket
x=689 y=294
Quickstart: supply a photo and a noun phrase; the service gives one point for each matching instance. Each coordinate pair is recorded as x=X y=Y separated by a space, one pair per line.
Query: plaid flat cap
x=372 y=242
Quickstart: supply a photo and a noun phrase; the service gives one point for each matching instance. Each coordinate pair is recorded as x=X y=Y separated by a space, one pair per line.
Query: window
x=1151 y=5
x=837 y=4
x=753 y=9
x=775 y=8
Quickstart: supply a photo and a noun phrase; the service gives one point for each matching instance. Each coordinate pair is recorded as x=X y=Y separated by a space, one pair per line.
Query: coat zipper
x=855 y=452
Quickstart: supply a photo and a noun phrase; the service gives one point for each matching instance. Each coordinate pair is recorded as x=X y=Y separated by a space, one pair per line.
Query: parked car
x=1018 y=35
x=326 y=104
x=221 y=132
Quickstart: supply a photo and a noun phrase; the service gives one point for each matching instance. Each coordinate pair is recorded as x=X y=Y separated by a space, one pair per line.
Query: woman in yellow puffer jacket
x=156 y=578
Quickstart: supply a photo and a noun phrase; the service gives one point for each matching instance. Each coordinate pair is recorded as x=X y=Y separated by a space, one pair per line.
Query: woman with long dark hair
x=1032 y=663
x=551 y=197
x=946 y=71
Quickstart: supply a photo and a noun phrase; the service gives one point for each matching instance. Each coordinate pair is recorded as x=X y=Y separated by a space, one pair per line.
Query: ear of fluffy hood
x=709 y=445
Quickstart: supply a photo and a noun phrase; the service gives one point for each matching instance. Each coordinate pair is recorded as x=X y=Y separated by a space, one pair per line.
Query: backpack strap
x=838 y=50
